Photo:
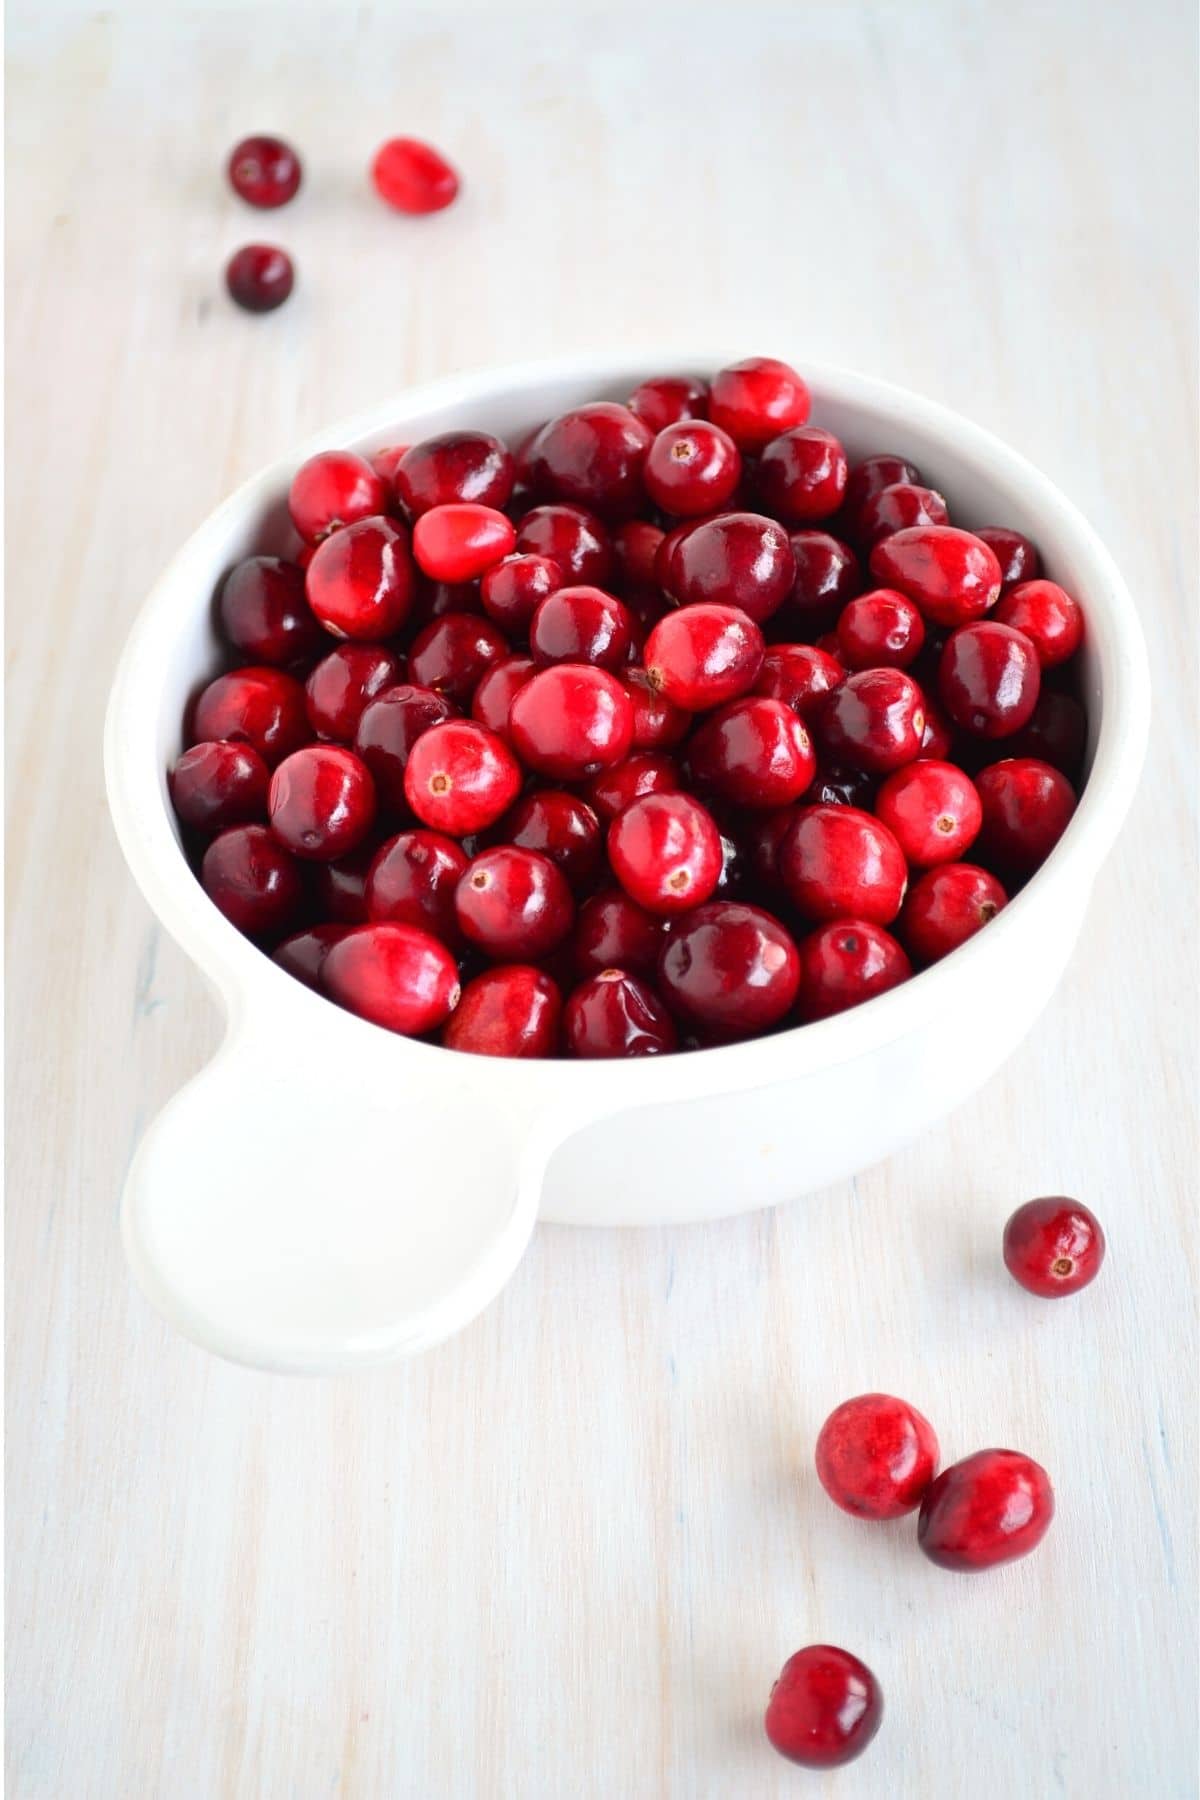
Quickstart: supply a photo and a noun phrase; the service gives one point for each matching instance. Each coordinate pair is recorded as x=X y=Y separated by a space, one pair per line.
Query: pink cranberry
x=321 y=802
x=615 y=1013
x=757 y=399
x=514 y=1010
x=802 y=475
x=581 y=625
x=411 y=881
x=216 y=785
x=570 y=720
x=511 y=591
x=492 y=700
x=412 y=176
x=514 y=903
x=824 y=1709
x=264 y=171
x=1018 y=558
x=899 y=508
x=592 y=456
x=558 y=825
x=343 y=684
x=460 y=542
x=933 y=811
x=989 y=679
x=259 y=277
x=846 y=962
x=665 y=850
x=303 y=955
x=666 y=399
x=1027 y=805
x=837 y=862
x=394 y=975
x=754 y=752
x=261 y=707
x=1053 y=1246
x=338 y=890
x=800 y=675
x=254 y=881
x=876 y=1456
x=614 y=932
x=332 y=489
x=740 y=559
x=880 y=630
x=952 y=576
x=460 y=778
x=657 y=723
x=989 y=1508
x=454 y=653
x=644 y=772
x=1056 y=733
x=729 y=968
x=264 y=613
x=874 y=720
x=454 y=468
x=692 y=468
x=702 y=656
x=360 y=582
x=871 y=476
x=388 y=727
x=1048 y=616
x=947 y=906
x=635 y=552
x=572 y=538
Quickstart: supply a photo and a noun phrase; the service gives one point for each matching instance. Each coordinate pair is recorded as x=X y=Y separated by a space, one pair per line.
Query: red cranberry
x=492 y=700
x=1053 y=1246
x=411 y=881
x=360 y=582
x=259 y=277
x=385 y=462
x=760 y=836
x=740 y=559
x=937 y=739
x=802 y=475
x=702 y=656
x=899 y=508
x=560 y=826
x=614 y=1013
x=388 y=727
x=871 y=476
x=581 y=625
x=322 y=802
x=757 y=399
x=827 y=576
x=729 y=968
x=332 y=489
x=614 y=932
x=754 y=752
x=951 y=575
x=1027 y=805
x=947 y=906
x=395 y=975
x=876 y=1456
x=342 y=685
x=635 y=552
x=570 y=720
x=570 y=537
x=215 y=785
x=874 y=720
x=664 y=556
x=837 y=862
x=255 y=882
x=881 y=629
x=666 y=399
x=260 y=707
x=513 y=902
x=933 y=810
x=824 y=1709
x=511 y=591
x=846 y=962
x=460 y=777
x=264 y=613
x=657 y=723
x=800 y=676
x=644 y=772
x=1056 y=733
x=454 y=468
x=692 y=468
x=460 y=542
x=412 y=176
x=665 y=850
x=264 y=171
x=1018 y=558
x=592 y=456
x=989 y=1508
x=835 y=785
x=303 y=955
x=510 y=1011
x=454 y=653
x=989 y=679
x=1048 y=616
x=338 y=890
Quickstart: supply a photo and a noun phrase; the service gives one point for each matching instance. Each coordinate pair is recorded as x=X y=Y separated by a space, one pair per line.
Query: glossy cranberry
x=666 y=399
x=514 y=903
x=581 y=625
x=570 y=720
x=658 y=724
x=511 y=591
x=989 y=679
x=394 y=975
x=614 y=932
x=692 y=468
x=800 y=676
x=937 y=739
x=514 y=1010
x=216 y=785
x=1027 y=805
x=952 y=576
x=338 y=890
x=876 y=1456
x=1056 y=733
x=388 y=727
x=264 y=613
x=802 y=475
x=824 y=1709
x=343 y=684
x=836 y=785
x=757 y=399
x=643 y=772
x=558 y=825
x=454 y=653
x=303 y=955
x=571 y=537
x=412 y=176
x=739 y=559
x=385 y=462
x=1048 y=616
x=837 y=862
x=360 y=582
x=412 y=879
x=874 y=720
x=615 y=1013
x=754 y=752
x=846 y=962
x=321 y=802
x=332 y=489
x=729 y=968
x=592 y=456
x=665 y=850
x=460 y=778
x=460 y=542
x=1018 y=558
x=254 y=881
x=492 y=700
x=635 y=551
x=878 y=630
x=933 y=810
x=259 y=277
x=871 y=476
x=899 y=508
x=1053 y=1246
x=989 y=1508
x=261 y=707
x=827 y=576
x=947 y=906
x=264 y=171
x=454 y=468
x=702 y=656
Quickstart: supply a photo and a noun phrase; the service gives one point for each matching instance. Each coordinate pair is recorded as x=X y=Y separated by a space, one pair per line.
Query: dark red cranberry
x=492 y=700
x=952 y=576
x=876 y=1456
x=947 y=906
x=827 y=576
x=1018 y=558
x=870 y=477
x=899 y=508
x=702 y=656
x=453 y=654
x=570 y=720
x=836 y=785
x=411 y=881
x=581 y=625
x=1027 y=805
x=757 y=399
x=933 y=810
x=388 y=727
x=343 y=684
x=397 y=976
x=434 y=599
x=1056 y=733
x=658 y=724
x=254 y=881
x=460 y=542
x=989 y=679
x=799 y=675
x=989 y=1508
x=692 y=468
x=321 y=802
x=1049 y=617
x=456 y=467
x=511 y=591
x=412 y=176
x=837 y=862
x=216 y=785
x=460 y=778
x=615 y=1013
x=571 y=537
x=338 y=890
x=937 y=739
x=260 y=707
x=635 y=551
x=846 y=962
x=1053 y=1246
x=360 y=582
x=332 y=489
x=614 y=932
x=515 y=1010
x=592 y=456
x=303 y=955
x=729 y=968
x=754 y=752
x=264 y=613
x=824 y=1709
x=513 y=903
x=665 y=850
x=666 y=399
x=760 y=836
x=558 y=825
x=874 y=720
x=264 y=171
x=260 y=277
x=664 y=556
x=802 y=475
x=880 y=630
x=643 y=772
x=740 y=559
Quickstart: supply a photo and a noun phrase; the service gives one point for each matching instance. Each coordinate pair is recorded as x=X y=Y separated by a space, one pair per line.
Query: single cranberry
x=303 y=955
x=665 y=555
x=394 y=975
x=827 y=576
x=570 y=720
x=338 y=890
x=1056 y=733
x=692 y=468
x=343 y=684
x=264 y=613
x=558 y=825
x=321 y=802
x=824 y=1709
x=262 y=707
x=388 y=727
x=757 y=399
x=658 y=724
x=799 y=675
x=264 y=171
x=332 y=489
x=665 y=850
x=666 y=399
x=385 y=462
x=871 y=476
x=989 y=679
x=492 y=700
x=581 y=625
x=614 y=932
x=837 y=862
x=460 y=777
x=614 y=1013
x=411 y=881
x=635 y=553
x=729 y=968
x=643 y=772
x=937 y=739
x=216 y=785
x=592 y=456
x=454 y=653
x=254 y=881
x=412 y=176
x=952 y=576
x=874 y=720
x=989 y=1508
x=947 y=906
x=1027 y=805
x=511 y=591
x=881 y=629
x=460 y=542
x=1049 y=617
x=702 y=656
x=846 y=962
x=454 y=468
x=514 y=903
x=260 y=277
x=754 y=752
x=1018 y=558
x=836 y=785
x=876 y=1456
x=515 y=1010
x=1053 y=1246
x=899 y=508
x=802 y=475
x=360 y=582
x=933 y=811
x=740 y=559
x=571 y=537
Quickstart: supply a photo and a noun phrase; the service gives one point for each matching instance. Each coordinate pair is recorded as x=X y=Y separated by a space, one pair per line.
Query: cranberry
x=874 y=720
x=460 y=777
x=411 y=881
x=570 y=720
x=802 y=475
x=264 y=171
x=215 y=785
x=658 y=724
x=592 y=456
x=510 y=1011
x=338 y=890
x=740 y=559
x=876 y=1456
x=259 y=277
x=512 y=591
x=635 y=552
x=260 y=707
x=729 y=968
x=611 y=790
x=360 y=582
x=824 y=1709
x=989 y=1508
x=951 y=575
x=1053 y=1246
x=899 y=508
x=388 y=727
x=397 y=976
x=800 y=676
x=254 y=881
x=321 y=802
x=827 y=575
x=581 y=625
x=614 y=932
x=614 y=1013
x=412 y=176
x=1056 y=733
x=1018 y=558
x=560 y=826
x=937 y=739
x=385 y=462
x=303 y=955
x=1048 y=616
x=846 y=962
x=702 y=656
x=881 y=629
x=264 y=613
x=837 y=862
x=871 y=476
x=989 y=679
x=665 y=850
x=757 y=399
x=332 y=489
x=492 y=700
x=1027 y=805
x=454 y=653
x=454 y=468
x=754 y=752
x=342 y=685
x=666 y=399
x=460 y=542
x=513 y=902
x=835 y=785
x=692 y=468
x=933 y=810
x=570 y=537
x=947 y=906
x=760 y=836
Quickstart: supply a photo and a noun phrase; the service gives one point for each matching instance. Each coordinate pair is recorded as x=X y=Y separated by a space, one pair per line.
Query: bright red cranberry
x=635 y=552
x=397 y=976
x=1053 y=1246
x=947 y=906
x=558 y=825
x=321 y=802
x=754 y=752
x=1027 y=805
x=460 y=778
x=216 y=785
x=571 y=537
x=592 y=456
x=412 y=176
x=666 y=399
x=264 y=613
x=899 y=508
x=461 y=542
x=799 y=675
x=824 y=1709
x=657 y=723
x=303 y=955
x=1056 y=733
x=702 y=656
x=876 y=1456
x=264 y=171
x=665 y=850
x=1049 y=617
x=989 y=679
x=729 y=968
x=492 y=700
x=454 y=468
x=514 y=903
x=614 y=932
x=254 y=881
x=644 y=772
x=802 y=475
x=514 y=1010
x=581 y=625
x=879 y=630
x=937 y=739
x=511 y=591
x=260 y=707
x=692 y=468
x=1018 y=558
x=343 y=684
x=836 y=785
x=388 y=727
x=827 y=576
x=338 y=890
x=846 y=962
x=454 y=653
x=570 y=720
x=874 y=720
x=989 y=1508
x=385 y=462
x=615 y=1013
x=952 y=576
x=740 y=559
x=260 y=277
x=757 y=399
x=332 y=489
x=871 y=476
x=411 y=881
x=933 y=810
x=837 y=862
x=360 y=582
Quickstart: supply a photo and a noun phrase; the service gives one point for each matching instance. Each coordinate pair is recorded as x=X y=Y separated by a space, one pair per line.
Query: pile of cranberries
x=667 y=728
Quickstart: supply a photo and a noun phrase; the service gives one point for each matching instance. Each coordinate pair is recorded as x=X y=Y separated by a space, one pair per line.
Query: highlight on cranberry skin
x=1053 y=1246
x=413 y=177
x=824 y=1709
x=876 y=1456
x=989 y=1508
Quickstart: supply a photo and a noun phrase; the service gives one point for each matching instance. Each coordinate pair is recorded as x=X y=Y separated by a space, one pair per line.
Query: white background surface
x=566 y=1554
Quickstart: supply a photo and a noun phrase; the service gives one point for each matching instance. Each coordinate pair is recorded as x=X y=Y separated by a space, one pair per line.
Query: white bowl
x=326 y=1195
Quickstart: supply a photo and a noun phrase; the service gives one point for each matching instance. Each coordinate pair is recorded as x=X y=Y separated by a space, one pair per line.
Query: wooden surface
x=566 y=1554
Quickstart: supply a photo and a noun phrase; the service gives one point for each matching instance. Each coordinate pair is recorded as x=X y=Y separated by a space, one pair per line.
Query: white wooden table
x=566 y=1554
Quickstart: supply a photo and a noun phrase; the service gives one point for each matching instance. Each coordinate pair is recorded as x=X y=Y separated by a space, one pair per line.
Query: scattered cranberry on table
x=265 y=171
x=1053 y=1246
x=876 y=1456
x=260 y=277
x=413 y=177
x=989 y=1508
x=824 y=1709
